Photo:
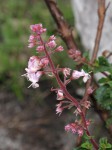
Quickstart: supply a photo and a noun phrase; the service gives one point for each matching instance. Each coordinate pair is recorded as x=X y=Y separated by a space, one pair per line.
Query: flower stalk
x=39 y=66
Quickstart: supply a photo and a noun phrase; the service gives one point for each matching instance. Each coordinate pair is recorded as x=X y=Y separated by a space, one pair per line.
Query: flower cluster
x=60 y=97
x=76 y=127
x=75 y=54
x=34 y=72
x=41 y=65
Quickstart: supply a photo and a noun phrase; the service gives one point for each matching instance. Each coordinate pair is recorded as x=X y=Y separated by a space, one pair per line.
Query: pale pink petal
x=66 y=71
x=60 y=95
x=59 y=49
x=51 y=44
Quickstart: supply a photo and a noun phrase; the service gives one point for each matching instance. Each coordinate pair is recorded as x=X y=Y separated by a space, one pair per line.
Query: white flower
x=77 y=74
x=86 y=76
x=34 y=78
x=60 y=95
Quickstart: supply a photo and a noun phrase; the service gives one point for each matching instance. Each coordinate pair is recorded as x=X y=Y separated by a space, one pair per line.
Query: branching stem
x=68 y=96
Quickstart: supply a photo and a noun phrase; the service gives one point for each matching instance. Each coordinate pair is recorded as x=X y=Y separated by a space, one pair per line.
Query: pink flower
x=40 y=48
x=74 y=54
x=52 y=37
x=59 y=49
x=77 y=74
x=75 y=128
x=60 y=95
x=80 y=132
x=66 y=71
x=31 y=39
x=44 y=62
x=59 y=109
x=67 y=127
x=77 y=53
x=31 y=45
x=33 y=64
x=51 y=44
x=71 y=127
x=38 y=28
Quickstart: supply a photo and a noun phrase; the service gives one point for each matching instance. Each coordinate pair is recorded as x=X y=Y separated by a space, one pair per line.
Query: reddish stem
x=88 y=133
x=76 y=103
x=68 y=96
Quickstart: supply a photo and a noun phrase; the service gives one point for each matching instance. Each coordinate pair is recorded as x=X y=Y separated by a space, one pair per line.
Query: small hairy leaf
x=103 y=96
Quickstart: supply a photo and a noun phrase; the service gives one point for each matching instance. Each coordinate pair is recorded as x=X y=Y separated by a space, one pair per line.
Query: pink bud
x=74 y=54
x=31 y=38
x=59 y=49
x=31 y=45
x=37 y=28
x=80 y=132
x=51 y=44
x=67 y=128
x=88 y=122
x=44 y=62
x=52 y=38
x=40 y=48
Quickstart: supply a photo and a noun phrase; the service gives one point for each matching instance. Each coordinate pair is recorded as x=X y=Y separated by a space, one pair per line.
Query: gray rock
x=86 y=20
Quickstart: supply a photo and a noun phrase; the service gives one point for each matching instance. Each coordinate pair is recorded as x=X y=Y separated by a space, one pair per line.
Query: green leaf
x=103 y=61
x=87 y=146
x=103 y=80
x=109 y=83
x=86 y=55
x=103 y=144
x=102 y=69
x=87 y=68
x=103 y=96
x=102 y=65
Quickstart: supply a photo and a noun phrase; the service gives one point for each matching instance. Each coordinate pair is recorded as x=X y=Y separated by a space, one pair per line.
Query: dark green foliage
x=104 y=97
x=102 y=65
x=103 y=93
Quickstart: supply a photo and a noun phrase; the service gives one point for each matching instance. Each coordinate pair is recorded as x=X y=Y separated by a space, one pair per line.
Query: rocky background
x=86 y=20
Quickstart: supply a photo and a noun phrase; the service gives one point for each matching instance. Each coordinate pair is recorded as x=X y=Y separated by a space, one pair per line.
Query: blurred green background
x=15 y=18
